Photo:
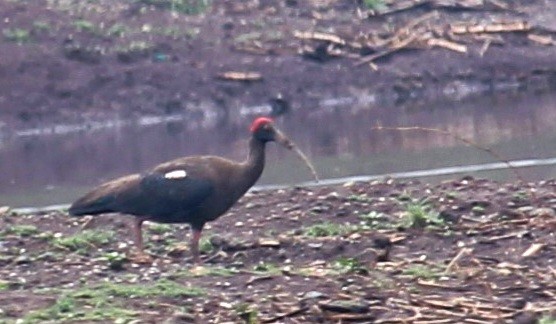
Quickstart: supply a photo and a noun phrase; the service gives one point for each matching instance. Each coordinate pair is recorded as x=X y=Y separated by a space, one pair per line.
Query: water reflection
x=38 y=170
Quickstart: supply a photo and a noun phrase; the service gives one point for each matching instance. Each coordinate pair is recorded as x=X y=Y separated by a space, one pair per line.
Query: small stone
x=178 y=250
x=269 y=243
x=22 y=259
x=332 y=196
x=313 y=295
x=251 y=205
x=238 y=224
x=315 y=245
x=525 y=209
x=345 y=306
x=546 y=212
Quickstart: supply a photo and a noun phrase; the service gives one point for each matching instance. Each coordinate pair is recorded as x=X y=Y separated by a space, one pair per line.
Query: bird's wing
x=175 y=190
x=168 y=191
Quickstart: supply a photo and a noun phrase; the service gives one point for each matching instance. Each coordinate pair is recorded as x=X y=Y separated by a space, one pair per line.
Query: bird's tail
x=104 y=198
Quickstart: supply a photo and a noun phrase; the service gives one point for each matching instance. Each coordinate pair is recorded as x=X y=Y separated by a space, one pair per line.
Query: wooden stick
x=485 y=47
x=240 y=76
x=458 y=256
x=533 y=249
x=440 y=42
x=516 y=26
x=319 y=37
x=399 y=46
x=543 y=40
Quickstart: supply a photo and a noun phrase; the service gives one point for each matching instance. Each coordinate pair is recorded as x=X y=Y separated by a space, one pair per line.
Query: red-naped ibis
x=191 y=190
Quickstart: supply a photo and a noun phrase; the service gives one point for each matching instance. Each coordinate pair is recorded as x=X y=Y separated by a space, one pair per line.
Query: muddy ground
x=75 y=61
x=465 y=251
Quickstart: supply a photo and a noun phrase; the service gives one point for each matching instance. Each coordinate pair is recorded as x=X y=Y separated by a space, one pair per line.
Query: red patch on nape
x=260 y=122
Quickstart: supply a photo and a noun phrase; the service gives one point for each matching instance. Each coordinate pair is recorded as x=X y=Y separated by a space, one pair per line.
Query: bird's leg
x=196 y=236
x=138 y=234
x=141 y=256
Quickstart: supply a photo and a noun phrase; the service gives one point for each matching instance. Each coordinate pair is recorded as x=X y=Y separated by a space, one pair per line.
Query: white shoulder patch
x=176 y=174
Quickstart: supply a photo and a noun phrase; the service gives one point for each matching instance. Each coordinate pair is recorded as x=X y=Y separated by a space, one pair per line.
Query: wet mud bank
x=70 y=63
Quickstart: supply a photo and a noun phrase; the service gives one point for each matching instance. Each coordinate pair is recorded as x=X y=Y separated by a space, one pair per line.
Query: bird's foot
x=141 y=258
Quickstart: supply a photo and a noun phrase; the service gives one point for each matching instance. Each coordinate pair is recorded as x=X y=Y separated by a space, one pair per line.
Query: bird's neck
x=254 y=165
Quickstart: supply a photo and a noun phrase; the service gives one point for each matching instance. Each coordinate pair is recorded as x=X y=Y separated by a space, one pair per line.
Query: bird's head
x=263 y=129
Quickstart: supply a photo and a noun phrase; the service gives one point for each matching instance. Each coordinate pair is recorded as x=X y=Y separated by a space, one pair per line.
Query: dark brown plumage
x=191 y=190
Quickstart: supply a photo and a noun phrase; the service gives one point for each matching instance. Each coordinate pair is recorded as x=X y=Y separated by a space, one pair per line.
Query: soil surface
x=465 y=251
x=73 y=61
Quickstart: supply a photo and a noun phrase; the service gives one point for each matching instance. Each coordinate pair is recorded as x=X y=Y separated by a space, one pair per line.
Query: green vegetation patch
x=264 y=268
x=99 y=302
x=188 y=7
x=161 y=288
x=350 y=265
x=17 y=35
x=423 y=271
x=83 y=241
x=325 y=229
x=419 y=214
x=547 y=320
x=207 y=271
x=21 y=230
x=159 y=228
x=375 y=220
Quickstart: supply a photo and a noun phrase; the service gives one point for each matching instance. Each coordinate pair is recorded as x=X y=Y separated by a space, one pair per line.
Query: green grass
x=547 y=320
x=134 y=46
x=267 y=269
x=83 y=241
x=17 y=35
x=159 y=228
x=21 y=230
x=360 y=198
x=419 y=214
x=188 y=7
x=117 y=30
x=161 y=288
x=41 y=26
x=68 y=308
x=206 y=271
x=247 y=313
x=205 y=246
x=100 y=303
x=375 y=220
x=374 y=4
x=325 y=229
x=115 y=260
x=84 y=25
x=4 y=285
x=422 y=271
x=350 y=265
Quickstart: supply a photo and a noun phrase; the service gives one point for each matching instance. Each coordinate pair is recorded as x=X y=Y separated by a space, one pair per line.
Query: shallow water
x=56 y=164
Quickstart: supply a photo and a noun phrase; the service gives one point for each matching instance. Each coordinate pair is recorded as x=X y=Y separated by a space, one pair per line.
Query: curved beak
x=281 y=139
